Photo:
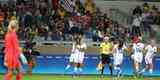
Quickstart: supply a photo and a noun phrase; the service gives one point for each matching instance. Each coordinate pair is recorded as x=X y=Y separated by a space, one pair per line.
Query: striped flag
x=67 y=5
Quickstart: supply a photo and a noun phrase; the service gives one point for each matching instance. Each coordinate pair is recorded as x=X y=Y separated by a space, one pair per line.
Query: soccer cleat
x=150 y=71
x=67 y=67
x=99 y=66
x=119 y=74
x=19 y=76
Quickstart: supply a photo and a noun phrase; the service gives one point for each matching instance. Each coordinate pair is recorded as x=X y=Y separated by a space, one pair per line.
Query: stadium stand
x=40 y=21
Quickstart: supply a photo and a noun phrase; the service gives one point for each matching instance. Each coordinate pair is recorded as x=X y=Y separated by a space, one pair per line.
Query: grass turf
x=62 y=77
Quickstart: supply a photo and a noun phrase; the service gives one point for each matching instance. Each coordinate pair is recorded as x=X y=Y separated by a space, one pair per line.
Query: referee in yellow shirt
x=105 y=52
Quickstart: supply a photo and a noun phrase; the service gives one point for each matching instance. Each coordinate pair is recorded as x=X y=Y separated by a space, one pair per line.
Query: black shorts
x=105 y=58
x=29 y=58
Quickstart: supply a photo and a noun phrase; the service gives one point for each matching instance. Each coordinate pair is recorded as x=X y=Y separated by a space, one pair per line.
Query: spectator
x=1 y=32
x=43 y=7
x=61 y=12
x=51 y=23
x=158 y=21
x=107 y=22
x=79 y=6
x=89 y=6
x=5 y=23
x=28 y=19
x=56 y=36
x=155 y=14
x=39 y=17
x=137 y=11
x=136 y=26
x=146 y=7
x=98 y=35
x=55 y=4
x=1 y=15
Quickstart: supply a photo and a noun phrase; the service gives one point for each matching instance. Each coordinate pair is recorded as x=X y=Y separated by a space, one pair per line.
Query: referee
x=105 y=54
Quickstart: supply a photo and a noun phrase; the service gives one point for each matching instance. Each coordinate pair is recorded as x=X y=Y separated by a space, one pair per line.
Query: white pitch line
x=158 y=59
x=94 y=57
x=58 y=57
x=40 y=56
x=49 y=57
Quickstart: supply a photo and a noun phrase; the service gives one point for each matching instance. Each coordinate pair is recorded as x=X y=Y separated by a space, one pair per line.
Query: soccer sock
x=19 y=76
x=75 y=70
x=116 y=69
x=137 y=69
x=143 y=70
x=110 y=68
x=102 y=70
x=67 y=67
x=80 y=70
x=150 y=71
x=119 y=70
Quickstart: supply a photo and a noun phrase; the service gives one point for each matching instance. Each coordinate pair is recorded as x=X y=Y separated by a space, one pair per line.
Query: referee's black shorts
x=106 y=58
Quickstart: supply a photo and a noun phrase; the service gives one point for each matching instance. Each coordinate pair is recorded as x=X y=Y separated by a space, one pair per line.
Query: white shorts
x=148 y=59
x=77 y=57
x=138 y=57
x=72 y=57
x=118 y=59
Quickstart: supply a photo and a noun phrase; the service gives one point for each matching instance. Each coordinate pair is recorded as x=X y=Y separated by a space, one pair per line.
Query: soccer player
x=105 y=51
x=150 y=50
x=77 y=56
x=28 y=52
x=137 y=55
x=12 y=52
x=72 y=55
x=81 y=54
x=118 y=51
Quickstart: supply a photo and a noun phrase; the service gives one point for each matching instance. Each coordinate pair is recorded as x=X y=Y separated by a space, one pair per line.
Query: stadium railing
x=64 y=43
x=67 y=44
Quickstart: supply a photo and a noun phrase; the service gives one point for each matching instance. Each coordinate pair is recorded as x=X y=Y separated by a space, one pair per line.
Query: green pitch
x=61 y=77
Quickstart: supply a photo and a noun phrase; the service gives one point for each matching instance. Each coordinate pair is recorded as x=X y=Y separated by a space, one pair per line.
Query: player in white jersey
x=77 y=55
x=72 y=57
x=137 y=55
x=118 y=53
x=80 y=55
x=150 y=51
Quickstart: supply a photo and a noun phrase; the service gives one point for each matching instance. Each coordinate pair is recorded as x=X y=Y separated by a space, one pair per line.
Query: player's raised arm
x=145 y=50
x=113 y=49
x=73 y=47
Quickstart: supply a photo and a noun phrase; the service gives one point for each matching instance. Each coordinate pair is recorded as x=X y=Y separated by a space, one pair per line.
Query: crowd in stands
x=67 y=18
x=144 y=17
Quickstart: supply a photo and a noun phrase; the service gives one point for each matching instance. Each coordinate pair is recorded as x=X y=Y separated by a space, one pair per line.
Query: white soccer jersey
x=74 y=51
x=150 y=50
x=78 y=53
x=118 y=55
x=150 y=53
x=82 y=46
x=138 y=52
x=138 y=48
x=74 y=48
